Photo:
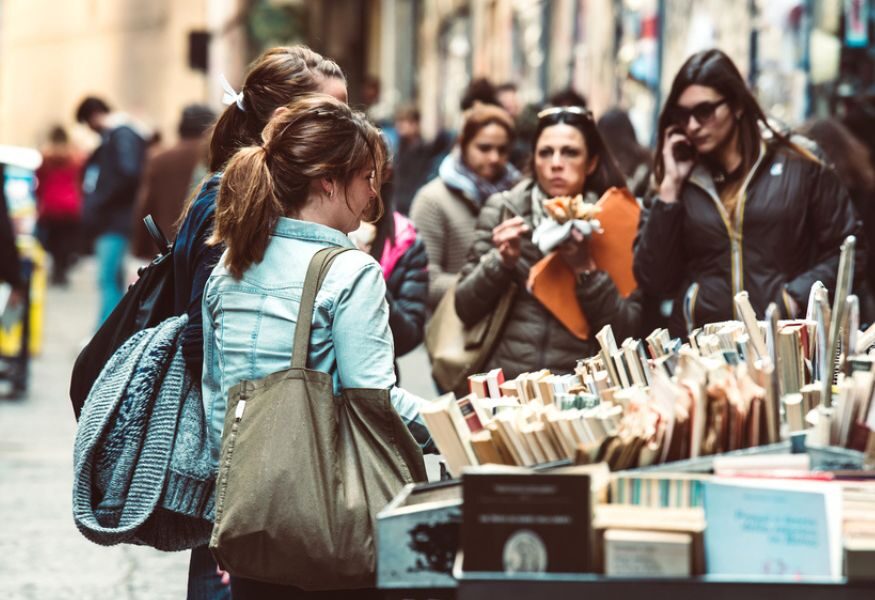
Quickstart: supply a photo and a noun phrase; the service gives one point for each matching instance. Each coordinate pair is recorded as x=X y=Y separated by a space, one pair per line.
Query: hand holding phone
x=679 y=157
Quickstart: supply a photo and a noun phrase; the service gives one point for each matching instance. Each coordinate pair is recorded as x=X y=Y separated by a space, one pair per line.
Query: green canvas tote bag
x=303 y=473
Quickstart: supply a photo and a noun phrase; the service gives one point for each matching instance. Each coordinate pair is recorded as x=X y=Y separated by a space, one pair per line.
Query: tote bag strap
x=316 y=272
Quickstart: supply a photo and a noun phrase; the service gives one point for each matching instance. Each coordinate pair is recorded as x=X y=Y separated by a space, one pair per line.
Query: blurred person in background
x=59 y=202
x=739 y=205
x=632 y=158
x=169 y=178
x=569 y=158
x=445 y=210
x=276 y=78
x=479 y=91
x=412 y=161
x=567 y=97
x=109 y=186
x=508 y=96
x=394 y=243
x=852 y=161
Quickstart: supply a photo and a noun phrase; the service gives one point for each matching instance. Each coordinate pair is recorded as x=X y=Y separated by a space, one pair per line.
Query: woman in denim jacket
x=311 y=182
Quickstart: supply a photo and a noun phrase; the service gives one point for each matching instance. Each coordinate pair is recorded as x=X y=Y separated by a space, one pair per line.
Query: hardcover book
x=526 y=522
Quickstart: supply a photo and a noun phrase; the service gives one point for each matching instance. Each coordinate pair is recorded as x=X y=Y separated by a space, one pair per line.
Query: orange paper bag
x=552 y=282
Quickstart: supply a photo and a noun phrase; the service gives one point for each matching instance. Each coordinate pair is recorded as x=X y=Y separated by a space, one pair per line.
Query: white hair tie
x=231 y=96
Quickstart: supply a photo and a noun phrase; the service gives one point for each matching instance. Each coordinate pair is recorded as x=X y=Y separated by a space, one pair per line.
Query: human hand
x=676 y=171
x=506 y=237
x=226 y=577
x=575 y=253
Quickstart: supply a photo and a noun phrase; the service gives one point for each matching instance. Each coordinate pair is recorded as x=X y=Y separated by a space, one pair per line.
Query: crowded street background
x=470 y=115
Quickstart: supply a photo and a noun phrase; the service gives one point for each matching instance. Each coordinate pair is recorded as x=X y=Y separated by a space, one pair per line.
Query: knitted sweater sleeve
x=431 y=225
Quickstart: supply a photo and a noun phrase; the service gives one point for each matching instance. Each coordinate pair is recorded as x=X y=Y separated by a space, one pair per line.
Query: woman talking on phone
x=739 y=206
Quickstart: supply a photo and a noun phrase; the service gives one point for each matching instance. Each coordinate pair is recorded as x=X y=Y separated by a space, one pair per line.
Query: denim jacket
x=249 y=324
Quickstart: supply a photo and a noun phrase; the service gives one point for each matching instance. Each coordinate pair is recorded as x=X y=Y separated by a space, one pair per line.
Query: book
x=478 y=385
x=450 y=432
x=424 y=524
x=859 y=559
x=494 y=380
x=486 y=451
x=636 y=553
x=748 y=317
x=790 y=358
x=470 y=414
x=773 y=528
x=686 y=521
x=605 y=338
x=658 y=489
x=520 y=522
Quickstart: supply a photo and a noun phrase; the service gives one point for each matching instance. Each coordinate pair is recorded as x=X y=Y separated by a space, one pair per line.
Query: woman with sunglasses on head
x=739 y=205
x=569 y=158
x=445 y=209
x=277 y=77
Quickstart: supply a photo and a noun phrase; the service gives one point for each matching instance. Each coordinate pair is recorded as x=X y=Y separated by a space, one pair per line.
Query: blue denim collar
x=313 y=232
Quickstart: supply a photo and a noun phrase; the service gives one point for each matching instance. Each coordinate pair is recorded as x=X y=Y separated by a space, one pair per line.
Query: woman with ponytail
x=312 y=180
x=276 y=78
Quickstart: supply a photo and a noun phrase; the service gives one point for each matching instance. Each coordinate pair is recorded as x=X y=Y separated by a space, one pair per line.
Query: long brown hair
x=316 y=137
x=849 y=156
x=714 y=69
x=276 y=78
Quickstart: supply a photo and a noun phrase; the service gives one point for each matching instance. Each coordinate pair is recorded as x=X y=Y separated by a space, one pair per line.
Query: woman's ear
x=592 y=166
x=326 y=186
x=279 y=110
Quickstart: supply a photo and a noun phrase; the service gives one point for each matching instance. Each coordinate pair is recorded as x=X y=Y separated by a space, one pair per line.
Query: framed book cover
x=526 y=523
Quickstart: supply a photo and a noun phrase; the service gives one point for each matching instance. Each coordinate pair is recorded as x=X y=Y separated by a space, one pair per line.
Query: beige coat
x=446 y=221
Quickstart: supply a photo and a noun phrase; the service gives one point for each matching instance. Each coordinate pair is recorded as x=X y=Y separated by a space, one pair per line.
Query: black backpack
x=148 y=302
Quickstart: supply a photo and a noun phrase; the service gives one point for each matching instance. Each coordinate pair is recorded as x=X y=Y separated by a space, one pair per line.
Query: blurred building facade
x=135 y=54
x=152 y=58
x=615 y=52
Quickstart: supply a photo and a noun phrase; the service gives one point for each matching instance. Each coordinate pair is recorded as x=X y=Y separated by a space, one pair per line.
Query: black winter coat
x=533 y=338
x=407 y=294
x=791 y=218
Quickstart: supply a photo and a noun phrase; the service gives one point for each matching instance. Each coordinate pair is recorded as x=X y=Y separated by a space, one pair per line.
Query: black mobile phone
x=683 y=151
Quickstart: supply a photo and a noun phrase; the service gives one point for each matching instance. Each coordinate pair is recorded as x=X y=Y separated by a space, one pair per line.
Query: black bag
x=148 y=302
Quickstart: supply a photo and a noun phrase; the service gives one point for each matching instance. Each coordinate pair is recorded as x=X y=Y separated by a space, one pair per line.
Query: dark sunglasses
x=702 y=112
x=564 y=114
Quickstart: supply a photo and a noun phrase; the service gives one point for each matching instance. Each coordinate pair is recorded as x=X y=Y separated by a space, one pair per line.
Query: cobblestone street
x=44 y=555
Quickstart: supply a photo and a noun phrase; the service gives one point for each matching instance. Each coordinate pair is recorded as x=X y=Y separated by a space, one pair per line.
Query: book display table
x=593 y=587
x=419 y=541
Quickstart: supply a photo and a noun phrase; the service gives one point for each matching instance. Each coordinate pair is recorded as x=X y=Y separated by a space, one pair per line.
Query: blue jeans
x=110 y=248
x=203 y=581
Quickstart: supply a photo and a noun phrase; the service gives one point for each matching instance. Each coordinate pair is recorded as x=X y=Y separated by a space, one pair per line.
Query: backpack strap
x=316 y=273
x=164 y=245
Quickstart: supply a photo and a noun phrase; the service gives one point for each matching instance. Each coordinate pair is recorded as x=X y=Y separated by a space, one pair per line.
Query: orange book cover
x=552 y=282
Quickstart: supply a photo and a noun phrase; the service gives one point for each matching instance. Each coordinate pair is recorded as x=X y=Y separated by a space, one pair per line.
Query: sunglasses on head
x=560 y=114
x=702 y=112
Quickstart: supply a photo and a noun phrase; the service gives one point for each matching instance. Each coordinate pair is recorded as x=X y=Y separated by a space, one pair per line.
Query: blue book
x=773 y=528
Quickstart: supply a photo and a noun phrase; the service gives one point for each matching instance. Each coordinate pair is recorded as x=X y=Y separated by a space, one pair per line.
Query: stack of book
x=731 y=385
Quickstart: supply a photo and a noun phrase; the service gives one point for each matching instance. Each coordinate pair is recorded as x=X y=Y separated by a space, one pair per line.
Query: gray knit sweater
x=142 y=467
x=445 y=220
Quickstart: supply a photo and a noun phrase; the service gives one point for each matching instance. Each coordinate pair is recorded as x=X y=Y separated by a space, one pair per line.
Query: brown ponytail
x=276 y=78
x=246 y=197
x=316 y=137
